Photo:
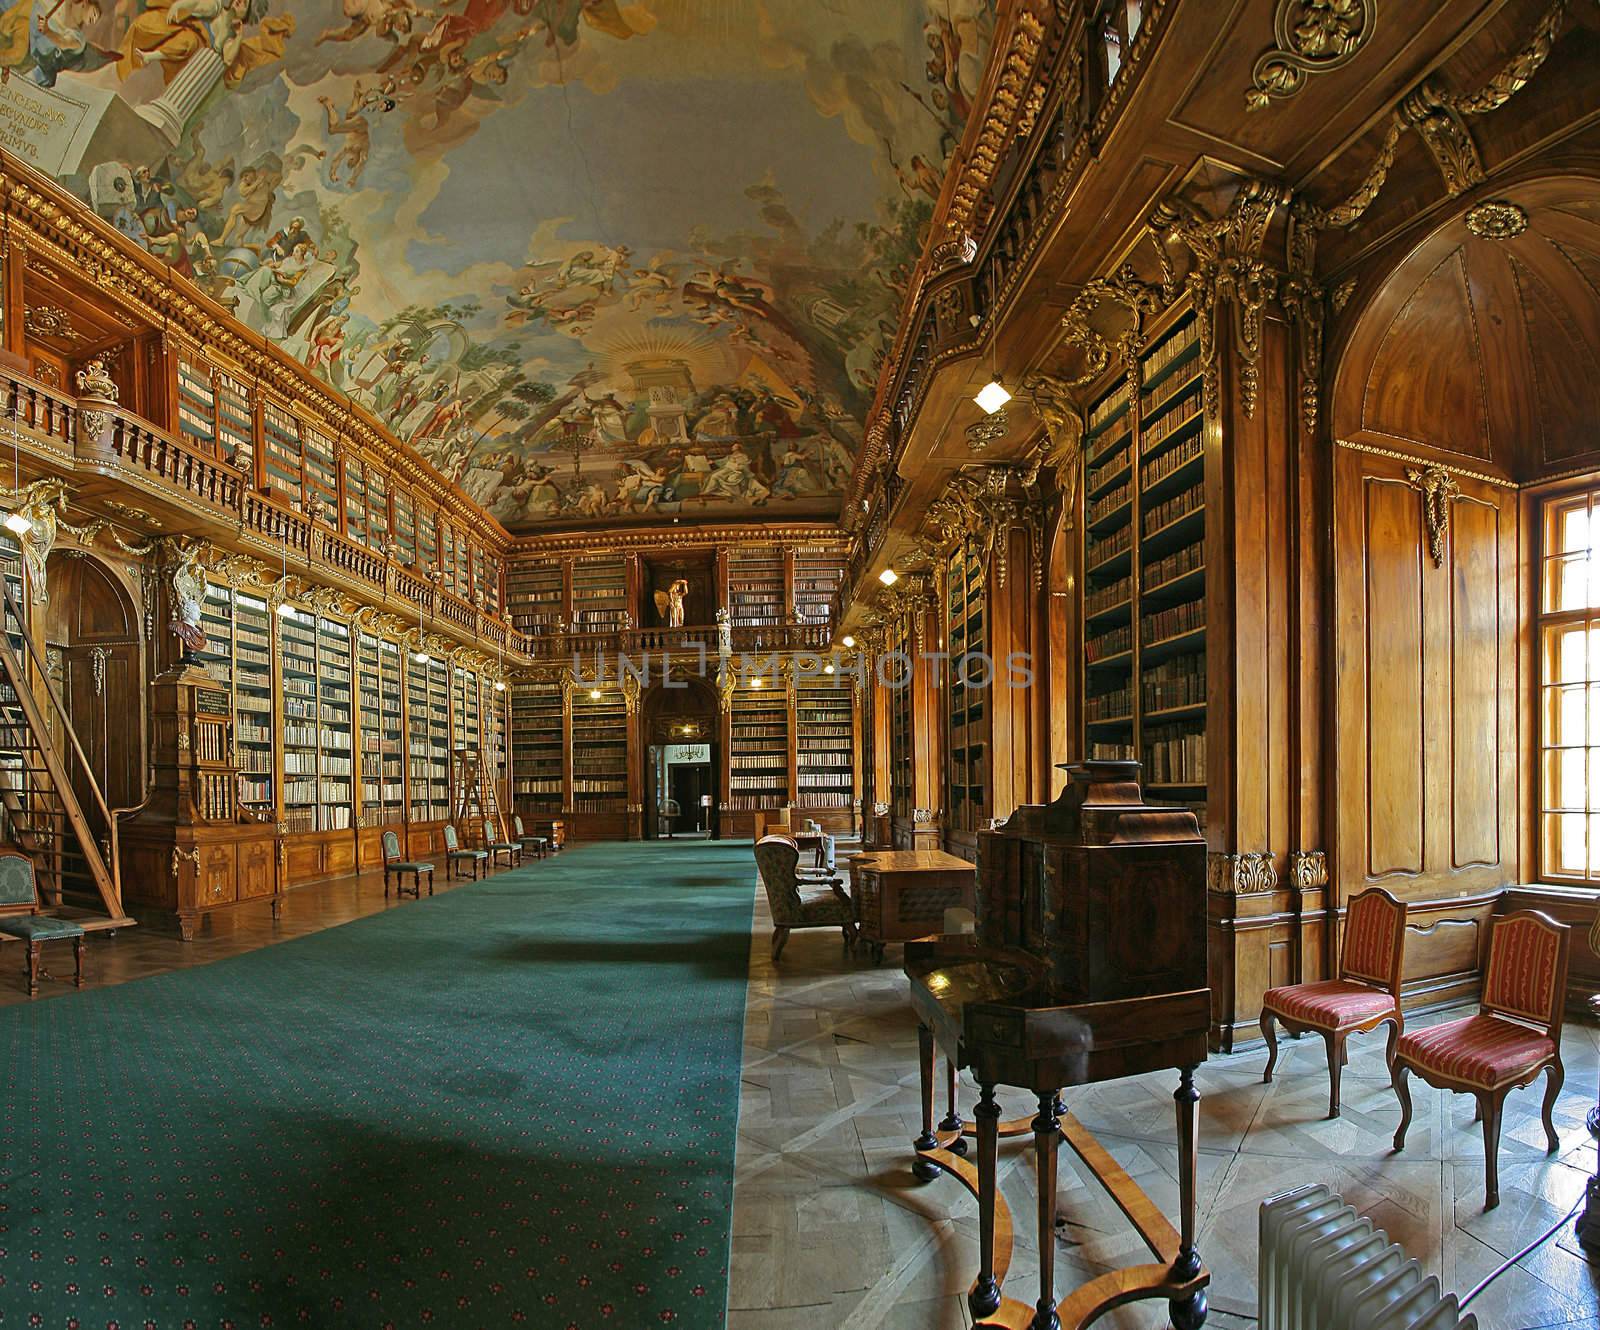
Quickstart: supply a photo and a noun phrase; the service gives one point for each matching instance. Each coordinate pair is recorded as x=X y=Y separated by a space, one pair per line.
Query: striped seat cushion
x=1480 y=1051
x=1328 y=1005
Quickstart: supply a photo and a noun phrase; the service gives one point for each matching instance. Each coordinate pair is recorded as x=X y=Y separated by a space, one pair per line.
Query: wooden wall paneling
x=1427 y=700
x=1577 y=908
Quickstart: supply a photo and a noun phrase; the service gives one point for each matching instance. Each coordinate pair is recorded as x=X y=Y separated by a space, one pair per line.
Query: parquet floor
x=830 y=1229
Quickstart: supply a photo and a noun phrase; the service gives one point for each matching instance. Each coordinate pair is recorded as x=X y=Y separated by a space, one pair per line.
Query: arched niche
x=1484 y=340
x=91 y=631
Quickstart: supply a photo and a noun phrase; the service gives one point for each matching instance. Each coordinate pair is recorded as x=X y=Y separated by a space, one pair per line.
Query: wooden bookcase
x=758 y=753
x=817 y=574
x=239 y=657
x=599 y=749
x=967 y=690
x=901 y=754
x=1144 y=560
x=600 y=594
x=538 y=747
x=824 y=744
x=382 y=741
x=756 y=586
x=536 y=598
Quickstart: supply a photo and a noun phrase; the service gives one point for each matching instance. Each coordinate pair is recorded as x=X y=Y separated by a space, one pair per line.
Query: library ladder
x=473 y=798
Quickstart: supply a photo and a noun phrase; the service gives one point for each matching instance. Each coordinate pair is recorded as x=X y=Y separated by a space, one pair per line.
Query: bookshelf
x=438 y=744
x=239 y=641
x=817 y=574
x=405 y=526
x=536 y=598
x=355 y=500
x=297 y=656
x=538 y=742
x=967 y=709
x=600 y=749
x=1145 y=639
x=418 y=752
x=758 y=756
x=382 y=755
x=197 y=401
x=335 y=717
x=236 y=423
x=824 y=743
x=465 y=731
x=900 y=729
x=756 y=592
x=280 y=435
x=600 y=595
x=494 y=737
x=322 y=476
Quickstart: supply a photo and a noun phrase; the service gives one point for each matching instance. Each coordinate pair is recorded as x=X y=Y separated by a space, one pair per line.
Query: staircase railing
x=41 y=805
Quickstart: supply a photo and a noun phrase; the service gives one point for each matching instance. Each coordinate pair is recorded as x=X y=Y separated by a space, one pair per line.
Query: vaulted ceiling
x=594 y=259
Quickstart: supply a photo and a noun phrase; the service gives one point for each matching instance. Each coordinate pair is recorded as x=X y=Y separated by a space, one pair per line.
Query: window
x=1569 y=689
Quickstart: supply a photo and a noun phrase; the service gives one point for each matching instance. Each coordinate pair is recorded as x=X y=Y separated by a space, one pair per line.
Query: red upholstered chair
x=1515 y=1035
x=1364 y=996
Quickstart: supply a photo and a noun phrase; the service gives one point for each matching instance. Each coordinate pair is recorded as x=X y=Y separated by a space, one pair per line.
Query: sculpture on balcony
x=669 y=603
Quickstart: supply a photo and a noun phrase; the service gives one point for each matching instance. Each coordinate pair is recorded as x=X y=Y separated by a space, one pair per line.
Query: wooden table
x=903 y=894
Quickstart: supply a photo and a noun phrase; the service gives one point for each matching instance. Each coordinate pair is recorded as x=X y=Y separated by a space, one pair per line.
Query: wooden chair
x=1364 y=996
x=798 y=903
x=539 y=845
x=511 y=849
x=396 y=868
x=454 y=854
x=20 y=917
x=1515 y=1035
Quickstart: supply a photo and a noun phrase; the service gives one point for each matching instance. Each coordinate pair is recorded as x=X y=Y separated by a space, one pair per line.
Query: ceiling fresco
x=592 y=259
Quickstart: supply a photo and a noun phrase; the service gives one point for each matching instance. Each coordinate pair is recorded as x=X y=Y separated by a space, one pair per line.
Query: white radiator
x=1323 y=1267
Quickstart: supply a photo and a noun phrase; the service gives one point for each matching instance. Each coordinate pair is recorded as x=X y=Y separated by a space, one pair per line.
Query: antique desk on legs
x=1089 y=964
x=903 y=894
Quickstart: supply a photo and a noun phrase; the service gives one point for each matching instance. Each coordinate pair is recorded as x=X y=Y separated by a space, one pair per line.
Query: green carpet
x=514 y=1103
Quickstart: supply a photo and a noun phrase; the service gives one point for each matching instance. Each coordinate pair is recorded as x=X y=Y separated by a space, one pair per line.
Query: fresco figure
x=733 y=479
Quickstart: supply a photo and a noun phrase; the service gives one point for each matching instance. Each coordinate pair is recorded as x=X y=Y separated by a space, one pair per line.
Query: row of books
x=1173 y=621
x=1179 y=682
x=1180 y=505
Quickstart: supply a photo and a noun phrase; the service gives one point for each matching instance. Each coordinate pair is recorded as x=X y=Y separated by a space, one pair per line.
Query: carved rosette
x=1497 y=219
x=1241 y=874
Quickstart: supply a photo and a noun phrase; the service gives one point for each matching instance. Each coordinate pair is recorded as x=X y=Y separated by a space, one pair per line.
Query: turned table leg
x=985 y=1295
x=952 y=1118
x=921 y=1169
x=1188 y=1313
x=1046 y=1140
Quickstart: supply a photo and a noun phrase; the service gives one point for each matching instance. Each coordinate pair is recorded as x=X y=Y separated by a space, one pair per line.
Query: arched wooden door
x=92 y=641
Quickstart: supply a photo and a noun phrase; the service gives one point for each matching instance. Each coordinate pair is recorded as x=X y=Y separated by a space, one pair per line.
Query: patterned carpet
x=514 y=1103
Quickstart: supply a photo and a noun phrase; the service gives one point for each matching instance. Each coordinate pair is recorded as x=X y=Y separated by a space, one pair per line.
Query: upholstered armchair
x=20 y=918
x=1364 y=996
x=798 y=903
x=1515 y=1035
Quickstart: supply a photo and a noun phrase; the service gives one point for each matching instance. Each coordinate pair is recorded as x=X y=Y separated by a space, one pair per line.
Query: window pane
x=1565 y=658
x=1564 y=716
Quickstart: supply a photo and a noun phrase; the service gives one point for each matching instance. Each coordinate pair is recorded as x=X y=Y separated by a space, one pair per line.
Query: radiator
x=1323 y=1267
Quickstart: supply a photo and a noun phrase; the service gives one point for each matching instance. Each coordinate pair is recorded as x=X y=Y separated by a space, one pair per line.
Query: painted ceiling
x=593 y=259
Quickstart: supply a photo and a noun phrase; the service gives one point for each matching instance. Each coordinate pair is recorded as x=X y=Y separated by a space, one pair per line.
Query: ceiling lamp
x=888 y=577
x=499 y=685
x=594 y=694
x=847 y=642
x=17 y=523
x=992 y=396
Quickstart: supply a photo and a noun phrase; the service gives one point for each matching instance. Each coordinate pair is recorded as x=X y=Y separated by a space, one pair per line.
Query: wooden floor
x=155 y=948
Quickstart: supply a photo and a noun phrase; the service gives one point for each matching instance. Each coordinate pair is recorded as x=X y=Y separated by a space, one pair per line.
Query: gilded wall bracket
x=1439 y=490
x=1241 y=874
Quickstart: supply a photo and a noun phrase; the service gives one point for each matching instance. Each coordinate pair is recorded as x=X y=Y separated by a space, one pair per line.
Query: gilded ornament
x=1308 y=870
x=1313 y=37
x=1439 y=490
x=50 y=321
x=1341 y=294
x=1497 y=219
x=981 y=433
x=1241 y=874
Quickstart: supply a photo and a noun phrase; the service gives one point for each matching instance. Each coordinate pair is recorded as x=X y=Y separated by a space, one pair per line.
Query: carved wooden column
x=927 y=683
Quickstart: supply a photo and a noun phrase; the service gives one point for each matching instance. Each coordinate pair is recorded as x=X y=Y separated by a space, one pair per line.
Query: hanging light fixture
x=992 y=396
x=421 y=656
x=284 y=608
x=16 y=523
x=847 y=642
x=888 y=577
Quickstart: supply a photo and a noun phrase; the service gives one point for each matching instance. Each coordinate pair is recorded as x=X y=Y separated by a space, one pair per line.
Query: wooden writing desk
x=903 y=894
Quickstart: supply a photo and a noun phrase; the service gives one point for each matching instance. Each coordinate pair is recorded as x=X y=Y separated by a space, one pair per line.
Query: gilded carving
x=1063 y=426
x=1497 y=219
x=981 y=433
x=186 y=583
x=1341 y=294
x=1308 y=870
x=1241 y=874
x=1226 y=269
x=41 y=504
x=879 y=808
x=1438 y=123
x=1519 y=69
x=953 y=251
x=50 y=321
x=1439 y=490
x=1313 y=37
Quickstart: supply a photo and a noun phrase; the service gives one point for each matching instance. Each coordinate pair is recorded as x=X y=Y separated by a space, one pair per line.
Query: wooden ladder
x=39 y=806
x=474 y=799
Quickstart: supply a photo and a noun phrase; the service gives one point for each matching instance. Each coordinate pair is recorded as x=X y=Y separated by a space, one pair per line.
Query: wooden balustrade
x=34 y=406
x=136 y=445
